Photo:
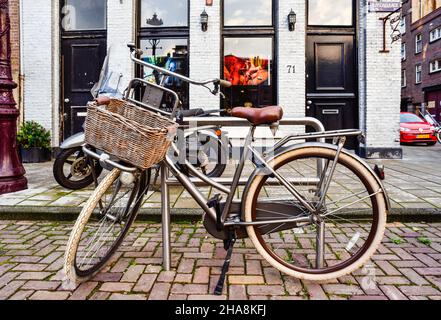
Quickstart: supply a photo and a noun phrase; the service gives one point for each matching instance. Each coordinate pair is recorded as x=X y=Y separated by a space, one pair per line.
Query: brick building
x=421 y=56
x=328 y=64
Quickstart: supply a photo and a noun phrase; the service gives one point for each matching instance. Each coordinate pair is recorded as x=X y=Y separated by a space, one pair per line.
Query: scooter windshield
x=110 y=81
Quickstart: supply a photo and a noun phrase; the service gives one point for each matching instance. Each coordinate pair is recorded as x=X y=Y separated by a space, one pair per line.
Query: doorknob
x=308 y=104
x=67 y=100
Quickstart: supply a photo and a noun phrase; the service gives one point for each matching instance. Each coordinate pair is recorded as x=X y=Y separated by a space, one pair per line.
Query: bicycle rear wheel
x=103 y=223
x=339 y=237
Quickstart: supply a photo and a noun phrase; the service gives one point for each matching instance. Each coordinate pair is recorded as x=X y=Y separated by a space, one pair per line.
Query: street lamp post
x=11 y=170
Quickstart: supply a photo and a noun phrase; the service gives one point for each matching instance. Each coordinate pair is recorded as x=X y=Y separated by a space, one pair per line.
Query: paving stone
x=145 y=283
x=160 y=291
x=83 y=291
x=116 y=287
x=49 y=295
x=133 y=273
x=246 y=280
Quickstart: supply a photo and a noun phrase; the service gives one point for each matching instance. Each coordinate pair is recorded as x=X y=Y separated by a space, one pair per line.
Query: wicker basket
x=134 y=135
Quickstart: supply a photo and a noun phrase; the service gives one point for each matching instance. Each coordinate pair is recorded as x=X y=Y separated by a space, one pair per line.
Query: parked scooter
x=73 y=170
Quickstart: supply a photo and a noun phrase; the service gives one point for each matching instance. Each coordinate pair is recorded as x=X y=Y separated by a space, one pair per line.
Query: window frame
x=438 y=63
x=403 y=51
x=403 y=78
x=165 y=33
x=252 y=32
x=403 y=25
x=354 y=19
x=438 y=30
x=420 y=80
x=83 y=31
x=416 y=43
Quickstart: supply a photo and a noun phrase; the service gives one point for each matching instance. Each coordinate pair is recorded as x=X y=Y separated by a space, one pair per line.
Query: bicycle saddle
x=259 y=116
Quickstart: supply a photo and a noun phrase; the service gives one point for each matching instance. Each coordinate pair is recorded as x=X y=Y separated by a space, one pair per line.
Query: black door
x=82 y=63
x=83 y=50
x=332 y=78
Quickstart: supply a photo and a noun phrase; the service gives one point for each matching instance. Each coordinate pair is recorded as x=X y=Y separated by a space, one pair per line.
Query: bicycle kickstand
x=228 y=244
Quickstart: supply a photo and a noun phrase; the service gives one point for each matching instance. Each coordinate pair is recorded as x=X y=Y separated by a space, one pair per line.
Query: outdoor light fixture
x=292 y=19
x=204 y=21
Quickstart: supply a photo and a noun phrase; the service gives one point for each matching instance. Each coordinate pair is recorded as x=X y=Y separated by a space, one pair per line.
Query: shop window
x=330 y=13
x=435 y=66
x=164 y=37
x=248 y=65
x=170 y=54
x=435 y=34
x=248 y=53
x=418 y=73
x=418 y=43
x=80 y=15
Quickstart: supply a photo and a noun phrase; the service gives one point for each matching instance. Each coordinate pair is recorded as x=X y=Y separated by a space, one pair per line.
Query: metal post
x=165 y=197
x=320 y=243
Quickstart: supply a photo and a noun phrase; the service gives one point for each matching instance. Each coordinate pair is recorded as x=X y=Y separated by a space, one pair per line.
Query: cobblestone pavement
x=407 y=266
x=413 y=184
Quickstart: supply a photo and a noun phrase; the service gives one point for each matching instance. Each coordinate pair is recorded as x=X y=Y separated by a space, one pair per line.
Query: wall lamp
x=292 y=19
x=204 y=21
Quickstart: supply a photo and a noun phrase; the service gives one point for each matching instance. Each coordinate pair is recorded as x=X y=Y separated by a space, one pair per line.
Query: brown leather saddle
x=259 y=116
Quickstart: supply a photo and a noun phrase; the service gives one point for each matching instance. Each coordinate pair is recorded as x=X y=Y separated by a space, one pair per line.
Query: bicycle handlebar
x=137 y=52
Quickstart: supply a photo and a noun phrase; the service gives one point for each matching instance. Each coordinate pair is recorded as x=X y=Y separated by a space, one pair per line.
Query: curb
x=177 y=215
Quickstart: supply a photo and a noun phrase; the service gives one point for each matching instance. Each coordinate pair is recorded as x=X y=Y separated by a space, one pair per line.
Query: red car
x=413 y=129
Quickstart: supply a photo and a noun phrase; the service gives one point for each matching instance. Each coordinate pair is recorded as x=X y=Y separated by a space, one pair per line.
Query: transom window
x=418 y=43
x=164 y=13
x=330 y=13
x=80 y=15
x=248 y=50
x=248 y=13
x=435 y=66
x=435 y=34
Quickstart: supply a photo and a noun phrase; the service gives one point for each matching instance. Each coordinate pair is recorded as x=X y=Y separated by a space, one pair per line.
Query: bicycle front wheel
x=102 y=224
x=343 y=230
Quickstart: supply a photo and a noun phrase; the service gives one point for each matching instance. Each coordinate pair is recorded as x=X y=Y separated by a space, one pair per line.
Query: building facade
x=421 y=57
x=318 y=58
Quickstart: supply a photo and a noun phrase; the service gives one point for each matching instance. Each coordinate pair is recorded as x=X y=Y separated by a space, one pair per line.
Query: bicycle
x=313 y=210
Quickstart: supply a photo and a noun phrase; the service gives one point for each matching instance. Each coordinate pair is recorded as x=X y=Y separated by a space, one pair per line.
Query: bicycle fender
x=75 y=141
x=283 y=150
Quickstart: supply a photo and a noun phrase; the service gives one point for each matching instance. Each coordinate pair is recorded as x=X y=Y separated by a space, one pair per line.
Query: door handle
x=67 y=100
x=308 y=104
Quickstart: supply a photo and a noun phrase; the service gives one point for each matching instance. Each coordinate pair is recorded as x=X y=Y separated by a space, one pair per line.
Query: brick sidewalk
x=407 y=266
x=413 y=185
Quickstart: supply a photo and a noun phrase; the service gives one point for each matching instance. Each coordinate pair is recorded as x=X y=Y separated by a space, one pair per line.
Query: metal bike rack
x=166 y=182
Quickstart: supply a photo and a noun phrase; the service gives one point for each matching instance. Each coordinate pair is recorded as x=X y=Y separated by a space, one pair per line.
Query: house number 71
x=291 y=68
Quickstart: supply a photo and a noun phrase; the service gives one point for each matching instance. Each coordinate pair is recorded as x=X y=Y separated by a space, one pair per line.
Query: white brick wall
x=380 y=82
x=291 y=52
x=120 y=31
x=38 y=60
x=205 y=49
